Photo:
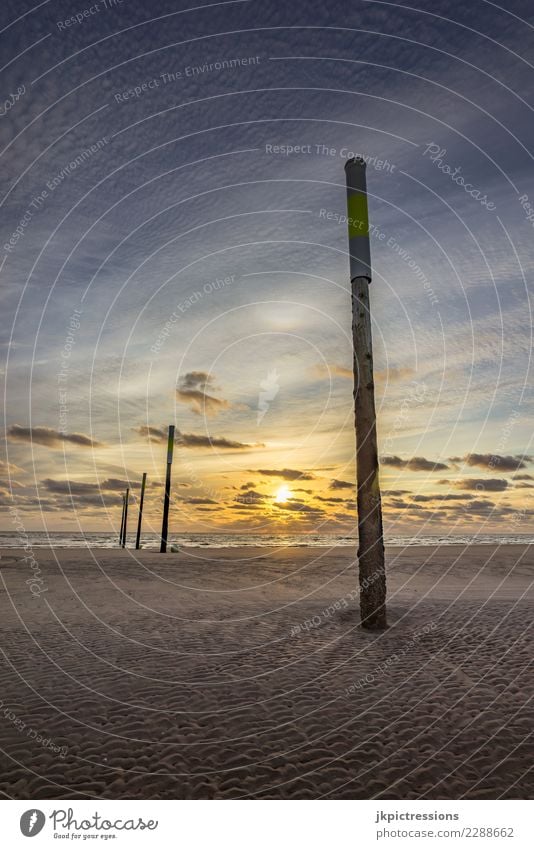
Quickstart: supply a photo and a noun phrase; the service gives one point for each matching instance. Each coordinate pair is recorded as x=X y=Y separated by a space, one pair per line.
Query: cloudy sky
x=172 y=252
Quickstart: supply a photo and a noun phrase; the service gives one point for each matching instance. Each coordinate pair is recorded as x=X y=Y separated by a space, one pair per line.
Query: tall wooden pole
x=124 y=527
x=370 y=533
x=140 y=519
x=122 y=522
x=167 y=497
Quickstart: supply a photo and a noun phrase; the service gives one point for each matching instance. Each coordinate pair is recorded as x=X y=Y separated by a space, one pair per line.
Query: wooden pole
x=126 y=499
x=371 y=559
x=140 y=519
x=167 y=496
x=122 y=521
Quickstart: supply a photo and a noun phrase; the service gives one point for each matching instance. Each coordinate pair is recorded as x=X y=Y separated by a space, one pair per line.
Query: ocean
x=61 y=539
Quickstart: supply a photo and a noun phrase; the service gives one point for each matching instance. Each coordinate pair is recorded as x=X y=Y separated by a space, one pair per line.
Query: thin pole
x=122 y=521
x=140 y=519
x=371 y=559
x=126 y=499
x=167 y=497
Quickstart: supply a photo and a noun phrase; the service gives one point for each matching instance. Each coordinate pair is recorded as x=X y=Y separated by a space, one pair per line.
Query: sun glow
x=283 y=495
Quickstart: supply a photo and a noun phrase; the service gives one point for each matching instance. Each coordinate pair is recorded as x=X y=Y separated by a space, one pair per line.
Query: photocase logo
x=269 y=391
x=32 y=822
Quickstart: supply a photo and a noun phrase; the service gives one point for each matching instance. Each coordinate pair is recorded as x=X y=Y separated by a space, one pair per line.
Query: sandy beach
x=230 y=673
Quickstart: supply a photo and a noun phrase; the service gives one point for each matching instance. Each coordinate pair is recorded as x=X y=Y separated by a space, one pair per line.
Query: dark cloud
x=497 y=462
x=333 y=500
x=415 y=464
x=197 y=500
x=119 y=485
x=437 y=497
x=49 y=437
x=153 y=434
x=250 y=497
x=523 y=477
x=70 y=487
x=196 y=380
x=401 y=504
x=97 y=500
x=345 y=517
x=483 y=508
x=193 y=389
x=298 y=507
x=286 y=474
x=337 y=484
x=195 y=440
x=479 y=484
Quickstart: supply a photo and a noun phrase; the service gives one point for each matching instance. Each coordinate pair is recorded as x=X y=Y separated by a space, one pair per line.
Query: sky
x=173 y=251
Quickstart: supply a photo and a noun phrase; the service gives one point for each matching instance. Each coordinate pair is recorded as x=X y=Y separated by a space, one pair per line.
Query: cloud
x=345 y=517
x=523 y=477
x=94 y=500
x=49 y=437
x=415 y=464
x=197 y=500
x=195 y=440
x=337 y=484
x=7 y=469
x=196 y=380
x=325 y=370
x=401 y=504
x=153 y=434
x=500 y=462
x=70 y=487
x=448 y=497
x=333 y=500
x=119 y=485
x=479 y=484
x=192 y=390
x=286 y=474
x=299 y=507
x=250 y=497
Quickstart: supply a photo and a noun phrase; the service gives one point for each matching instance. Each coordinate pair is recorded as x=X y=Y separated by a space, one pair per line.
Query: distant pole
x=370 y=532
x=122 y=521
x=167 y=497
x=126 y=499
x=140 y=519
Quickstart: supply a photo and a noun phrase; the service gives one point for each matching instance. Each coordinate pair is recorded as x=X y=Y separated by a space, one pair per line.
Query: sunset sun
x=282 y=495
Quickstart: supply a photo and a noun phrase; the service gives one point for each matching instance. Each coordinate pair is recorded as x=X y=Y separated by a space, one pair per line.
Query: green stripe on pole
x=358 y=215
x=170 y=444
